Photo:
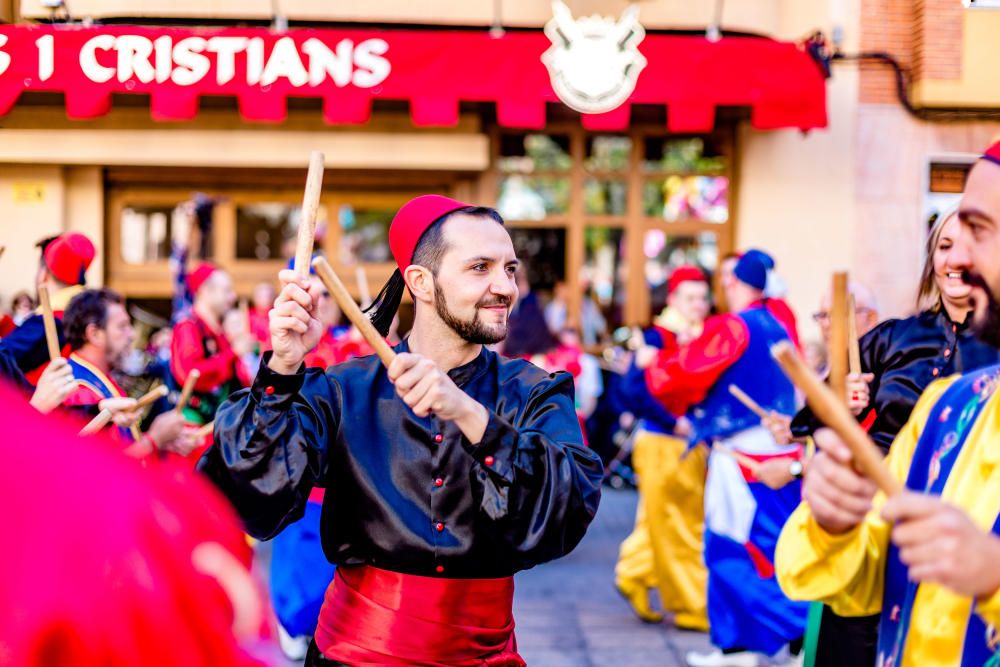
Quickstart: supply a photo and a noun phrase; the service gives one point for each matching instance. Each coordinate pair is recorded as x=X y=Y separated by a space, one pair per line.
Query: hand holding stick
x=51 y=336
x=104 y=416
x=831 y=410
x=187 y=390
x=352 y=312
x=310 y=205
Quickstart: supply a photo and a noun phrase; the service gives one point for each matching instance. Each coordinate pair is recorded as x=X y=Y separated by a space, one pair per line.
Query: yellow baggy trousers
x=665 y=548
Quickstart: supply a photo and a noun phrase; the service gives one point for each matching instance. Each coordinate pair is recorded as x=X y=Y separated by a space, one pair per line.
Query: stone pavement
x=568 y=613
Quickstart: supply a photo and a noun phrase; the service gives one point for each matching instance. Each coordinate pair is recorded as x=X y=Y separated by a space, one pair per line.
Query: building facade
x=603 y=206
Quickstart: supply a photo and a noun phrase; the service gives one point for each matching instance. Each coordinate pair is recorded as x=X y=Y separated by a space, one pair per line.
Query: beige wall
x=797 y=192
x=39 y=201
x=750 y=15
x=979 y=84
x=894 y=151
x=25 y=218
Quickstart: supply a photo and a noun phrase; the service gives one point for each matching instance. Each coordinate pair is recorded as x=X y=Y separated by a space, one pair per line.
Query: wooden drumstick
x=310 y=206
x=97 y=423
x=187 y=390
x=49 y=320
x=838 y=337
x=105 y=415
x=752 y=405
x=352 y=312
x=832 y=411
x=853 y=347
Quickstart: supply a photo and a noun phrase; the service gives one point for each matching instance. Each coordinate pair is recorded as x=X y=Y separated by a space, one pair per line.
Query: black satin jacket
x=412 y=494
x=906 y=356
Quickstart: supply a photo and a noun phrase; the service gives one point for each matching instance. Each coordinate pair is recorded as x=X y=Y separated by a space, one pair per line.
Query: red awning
x=434 y=71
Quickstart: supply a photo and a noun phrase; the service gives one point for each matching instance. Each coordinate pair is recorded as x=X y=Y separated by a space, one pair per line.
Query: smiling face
x=475 y=286
x=978 y=245
x=949 y=265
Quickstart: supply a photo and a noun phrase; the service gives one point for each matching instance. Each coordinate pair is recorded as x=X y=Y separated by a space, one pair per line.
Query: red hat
x=683 y=274
x=412 y=220
x=68 y=257
x=993 y=153
x=198 y=277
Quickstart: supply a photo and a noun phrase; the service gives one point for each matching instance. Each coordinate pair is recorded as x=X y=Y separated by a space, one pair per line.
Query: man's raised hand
x=294 y=327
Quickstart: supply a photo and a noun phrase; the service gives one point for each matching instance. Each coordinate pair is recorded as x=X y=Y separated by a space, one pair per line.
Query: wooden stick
x=364 y=294
x=752 y=405
x=853 y=348
x=832 y=411
x=352 y=312
x=152 y=396
x=104 y=416
x=3 y=249
x=49 y=320
x=838 y=337
x=186 y=390
x=207 y=429
x=753 y=465
x=310 y=205
x=97 y=423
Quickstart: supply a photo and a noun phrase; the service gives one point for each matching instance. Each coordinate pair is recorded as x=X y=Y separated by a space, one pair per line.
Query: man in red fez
x=664 y=549
x=62 y=269
x=445 y=473
x=199 y=343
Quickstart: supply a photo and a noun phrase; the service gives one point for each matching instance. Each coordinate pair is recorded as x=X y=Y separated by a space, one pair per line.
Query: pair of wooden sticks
x=827 y=402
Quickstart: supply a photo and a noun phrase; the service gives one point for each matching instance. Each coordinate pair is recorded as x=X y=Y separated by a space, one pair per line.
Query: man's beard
x=473 y=330
x=986 y=326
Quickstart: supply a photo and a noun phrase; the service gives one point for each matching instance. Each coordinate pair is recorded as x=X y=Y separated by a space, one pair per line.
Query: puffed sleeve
x=847 y=571
x=542 y=484
x=271 y=444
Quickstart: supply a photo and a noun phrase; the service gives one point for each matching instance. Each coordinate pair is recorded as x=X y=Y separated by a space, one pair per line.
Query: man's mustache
x=974 y=279
x=499 y=301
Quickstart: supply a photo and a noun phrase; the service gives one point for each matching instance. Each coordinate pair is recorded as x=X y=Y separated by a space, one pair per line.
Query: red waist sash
x=375 y=617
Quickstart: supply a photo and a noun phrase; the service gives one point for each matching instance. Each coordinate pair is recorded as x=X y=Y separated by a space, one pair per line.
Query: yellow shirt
x=847 y=571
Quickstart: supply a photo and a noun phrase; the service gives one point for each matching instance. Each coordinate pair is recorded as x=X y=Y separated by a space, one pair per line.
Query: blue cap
x=764 y=258
x=750 y=269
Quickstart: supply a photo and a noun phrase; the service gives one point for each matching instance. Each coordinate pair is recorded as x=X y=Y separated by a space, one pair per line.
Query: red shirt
x=196 y=345
x=337 y=346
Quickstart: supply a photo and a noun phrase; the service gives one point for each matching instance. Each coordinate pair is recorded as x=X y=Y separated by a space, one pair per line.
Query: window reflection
x=146 y=232
x=676 y=198
x=608 y=153
x=603 y=281
x=543 y=253
x=604 y=197
x=263 y=230
x=532 y=153
x=364 y=234
x=687 y=155
x=533 y=197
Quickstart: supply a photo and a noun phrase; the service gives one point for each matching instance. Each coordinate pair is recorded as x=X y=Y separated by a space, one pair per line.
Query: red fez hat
x=68 y=257
x=993 y=153
x=683 y=274
x=198 y=277
x=413 y=219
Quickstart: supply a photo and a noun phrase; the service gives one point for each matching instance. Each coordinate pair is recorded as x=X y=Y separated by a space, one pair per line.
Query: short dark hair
x=432 y=246
x=42 y=245
x=86 y=308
